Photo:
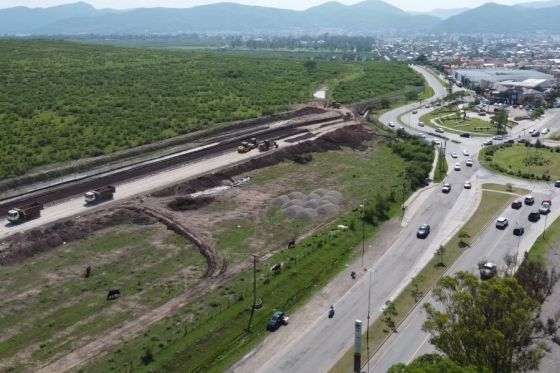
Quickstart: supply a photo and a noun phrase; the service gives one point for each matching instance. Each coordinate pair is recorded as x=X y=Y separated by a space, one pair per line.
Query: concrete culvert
x=280 y=200
x=336 y=194
x=296 y=195
x=320 y=191
x=327 y=209
x=292 y=211
x=311 y=204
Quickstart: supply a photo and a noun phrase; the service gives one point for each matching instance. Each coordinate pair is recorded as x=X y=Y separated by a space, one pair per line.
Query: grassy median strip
x=441 y=168
x=491 y=203
x=505 y=188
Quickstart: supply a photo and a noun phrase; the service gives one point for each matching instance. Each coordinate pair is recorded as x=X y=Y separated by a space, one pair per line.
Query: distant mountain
x=80 y=18
x=446 y=13
x=540 y=4
x=495 y=18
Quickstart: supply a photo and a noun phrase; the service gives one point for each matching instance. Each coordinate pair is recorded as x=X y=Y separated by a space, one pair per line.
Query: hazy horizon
x=408 y=5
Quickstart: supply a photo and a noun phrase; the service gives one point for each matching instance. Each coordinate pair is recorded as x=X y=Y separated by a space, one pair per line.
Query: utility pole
x=368 y=317
x=254 y=292
x=363 y=231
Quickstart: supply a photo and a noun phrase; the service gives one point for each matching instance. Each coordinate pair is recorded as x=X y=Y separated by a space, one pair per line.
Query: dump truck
x=99 y=195
x=247 y=146
x=23 y=213
x=266 y=145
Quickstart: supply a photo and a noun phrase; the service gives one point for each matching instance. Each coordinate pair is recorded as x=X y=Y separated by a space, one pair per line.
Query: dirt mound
x=24 y=245
x=309 y=206
x=189 y=203
x=195 y=185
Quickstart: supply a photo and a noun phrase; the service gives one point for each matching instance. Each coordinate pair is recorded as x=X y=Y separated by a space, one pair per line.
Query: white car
x=391 y=124
x=457 y=167
x=501 y=222
x=469 y=162
x=420 y=124
x=423 y=136
x=453 y=155
x=545 y=131
x=466 y=153
x=468 y=184
x=446 y=188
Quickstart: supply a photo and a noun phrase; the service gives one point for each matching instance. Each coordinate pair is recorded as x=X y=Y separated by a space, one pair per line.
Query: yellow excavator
x=247 y=146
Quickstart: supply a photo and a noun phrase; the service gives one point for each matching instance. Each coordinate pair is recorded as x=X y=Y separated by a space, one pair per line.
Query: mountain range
x=369 y=16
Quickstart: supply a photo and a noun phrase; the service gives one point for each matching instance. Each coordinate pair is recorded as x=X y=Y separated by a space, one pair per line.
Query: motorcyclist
x=331 y=312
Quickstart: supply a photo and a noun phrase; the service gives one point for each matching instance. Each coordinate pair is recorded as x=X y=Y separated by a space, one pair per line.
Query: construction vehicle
x=266 y=145
x=99 y=195
x=247 y=146
x=23 y=213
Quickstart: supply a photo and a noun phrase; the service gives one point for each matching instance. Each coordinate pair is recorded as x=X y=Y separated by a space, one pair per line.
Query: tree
x=310 y=65
x=385 y=103
x=537 y=281
x=463 y=237
x=440 y=253
x=411 y=95
x=490 y=324
x=429 y=363
x=389 y=312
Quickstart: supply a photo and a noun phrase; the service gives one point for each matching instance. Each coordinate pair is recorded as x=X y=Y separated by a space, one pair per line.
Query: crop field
x=53 y=314
x=48 y=305
x=62 y=101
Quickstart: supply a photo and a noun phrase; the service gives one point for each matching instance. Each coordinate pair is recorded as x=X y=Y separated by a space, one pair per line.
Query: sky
x=409 y=5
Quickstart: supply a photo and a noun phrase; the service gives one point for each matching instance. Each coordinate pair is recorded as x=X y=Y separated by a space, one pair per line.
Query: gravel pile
x=319 y=202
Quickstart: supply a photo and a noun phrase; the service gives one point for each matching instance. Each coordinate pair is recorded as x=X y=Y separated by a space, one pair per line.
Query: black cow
x=291 y=244
x=113 y=294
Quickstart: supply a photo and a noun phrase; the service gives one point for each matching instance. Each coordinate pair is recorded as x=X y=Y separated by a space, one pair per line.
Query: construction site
x=177 y=254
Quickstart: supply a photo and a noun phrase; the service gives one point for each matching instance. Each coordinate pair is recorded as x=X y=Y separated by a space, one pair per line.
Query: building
x=487 y=78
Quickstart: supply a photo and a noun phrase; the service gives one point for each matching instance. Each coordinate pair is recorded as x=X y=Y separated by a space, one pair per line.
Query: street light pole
x=368 y=316
x=363 y=206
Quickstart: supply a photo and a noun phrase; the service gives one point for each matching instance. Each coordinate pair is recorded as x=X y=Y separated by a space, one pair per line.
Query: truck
x=266 y=145
x=99 y=195
x=247 y=146
x=24 y=213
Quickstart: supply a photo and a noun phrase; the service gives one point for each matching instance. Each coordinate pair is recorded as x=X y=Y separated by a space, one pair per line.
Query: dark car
x=523 y=141
x=534 y=216
x=519 y=231
x=536 y=134
x=516 y=204
x=423 y=231
x=276 y=321
x=510 y=141
x=465 y=135
x=488 y=270
x=557 y=183
x=529 y=200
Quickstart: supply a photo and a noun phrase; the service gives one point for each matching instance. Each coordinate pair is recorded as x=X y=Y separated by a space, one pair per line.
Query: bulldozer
x=247 y=146
x=266 y=145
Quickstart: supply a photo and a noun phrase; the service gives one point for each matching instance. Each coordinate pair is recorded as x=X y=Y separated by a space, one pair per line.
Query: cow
x=113 y=294
x=291 y=244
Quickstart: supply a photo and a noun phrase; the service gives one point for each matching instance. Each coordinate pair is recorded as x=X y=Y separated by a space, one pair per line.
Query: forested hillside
x=62 y=101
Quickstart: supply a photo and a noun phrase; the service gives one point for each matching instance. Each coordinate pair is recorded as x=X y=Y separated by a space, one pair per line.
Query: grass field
x=521 y=161
x=211 y=343
x=425 y=280
x=48 y=307
x=62 y=101
x=441 y=168
x=449 y=122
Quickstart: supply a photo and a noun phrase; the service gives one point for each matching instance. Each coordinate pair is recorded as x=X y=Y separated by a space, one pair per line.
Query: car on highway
x=523 y=141
x=510 y=141
x=439 y=130
x=529 y=200
x=518 y=231
x=535 y=134
x=468 y=185
x=446 y=188
x=414 y=111
x=488 y=270
x=469 y=162
x=465 y=135
x=457 y=167
x=534 y=216
x=545 y=131
x=516 y=205
x=545 y=207
x=427 y=106
x=420 y=124
x=498 y=138
x=436 y=142
x=422 y=136
x=488 y=142
x=391 y=124
x=466 y=152
x=501 y=222
x=423 y=231
x=557 y=183
x=276 y=321
x=454 y=155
